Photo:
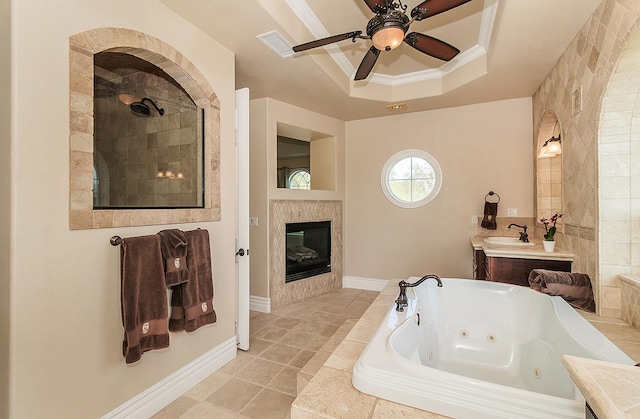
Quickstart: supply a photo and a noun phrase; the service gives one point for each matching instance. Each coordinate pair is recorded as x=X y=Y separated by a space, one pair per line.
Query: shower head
x=142 y=109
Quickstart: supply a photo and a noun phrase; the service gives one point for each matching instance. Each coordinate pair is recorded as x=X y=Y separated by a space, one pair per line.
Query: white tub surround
x=612 y=390
x=476 y=349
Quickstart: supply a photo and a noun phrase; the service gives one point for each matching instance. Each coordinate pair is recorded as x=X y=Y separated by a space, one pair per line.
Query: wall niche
x=165 y=153
x=306 y=159
x=549 y=170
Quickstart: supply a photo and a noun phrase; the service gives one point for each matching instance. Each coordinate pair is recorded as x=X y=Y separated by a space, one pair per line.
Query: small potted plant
x=549 y=242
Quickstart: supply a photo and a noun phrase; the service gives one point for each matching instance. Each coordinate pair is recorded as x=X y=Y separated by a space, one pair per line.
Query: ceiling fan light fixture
x=387 y=30
x=388 y=38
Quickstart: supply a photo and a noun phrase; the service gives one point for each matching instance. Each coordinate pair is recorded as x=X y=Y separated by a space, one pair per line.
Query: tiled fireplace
x=283 y=212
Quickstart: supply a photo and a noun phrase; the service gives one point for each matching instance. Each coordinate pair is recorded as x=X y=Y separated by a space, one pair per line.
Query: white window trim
x=295 y=172
x=393 y=160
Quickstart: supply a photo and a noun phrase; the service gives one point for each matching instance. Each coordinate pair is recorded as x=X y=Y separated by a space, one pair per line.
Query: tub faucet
x=523 y=235
x=401 y=301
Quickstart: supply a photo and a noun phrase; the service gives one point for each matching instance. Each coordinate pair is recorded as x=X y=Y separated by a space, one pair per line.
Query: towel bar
x=117 y=240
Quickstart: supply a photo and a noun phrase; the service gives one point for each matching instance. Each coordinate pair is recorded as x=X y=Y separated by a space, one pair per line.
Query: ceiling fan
x=387 y=31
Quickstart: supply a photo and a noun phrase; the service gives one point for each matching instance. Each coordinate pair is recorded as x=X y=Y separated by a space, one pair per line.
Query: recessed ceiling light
x=277 y=43
x=396 y=107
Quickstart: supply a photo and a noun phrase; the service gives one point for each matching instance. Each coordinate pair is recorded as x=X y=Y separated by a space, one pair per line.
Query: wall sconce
x=551 y=147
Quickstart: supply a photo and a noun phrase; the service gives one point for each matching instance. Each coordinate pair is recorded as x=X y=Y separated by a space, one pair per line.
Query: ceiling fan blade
x=430 y=8
x=377 y=6
x=367 y=63
x=431 y=46
x=326 y=41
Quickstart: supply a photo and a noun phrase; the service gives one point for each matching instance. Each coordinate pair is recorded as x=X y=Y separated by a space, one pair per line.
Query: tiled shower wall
x=587 y=66
x=137 y=148
x=283 y=212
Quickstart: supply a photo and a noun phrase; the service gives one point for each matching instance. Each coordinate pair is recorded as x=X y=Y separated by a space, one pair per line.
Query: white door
x=242 y=217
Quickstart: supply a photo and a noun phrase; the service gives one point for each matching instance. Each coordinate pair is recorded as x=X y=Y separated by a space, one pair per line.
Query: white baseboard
x=261 y=304
x=158 y=396
x=364 y=283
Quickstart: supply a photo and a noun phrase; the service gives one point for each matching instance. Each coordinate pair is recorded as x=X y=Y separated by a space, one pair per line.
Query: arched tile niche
x=548 y=172
x=82 y=48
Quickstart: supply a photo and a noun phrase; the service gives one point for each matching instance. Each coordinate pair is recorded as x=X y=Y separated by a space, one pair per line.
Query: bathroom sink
x=507 y=241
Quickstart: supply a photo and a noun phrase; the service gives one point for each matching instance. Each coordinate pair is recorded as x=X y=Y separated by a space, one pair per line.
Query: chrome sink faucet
x=523 y=235
x=401 y=301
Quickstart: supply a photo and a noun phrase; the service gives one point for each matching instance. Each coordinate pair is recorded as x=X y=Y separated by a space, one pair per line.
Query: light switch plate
x=253 y=221
x=512 y=212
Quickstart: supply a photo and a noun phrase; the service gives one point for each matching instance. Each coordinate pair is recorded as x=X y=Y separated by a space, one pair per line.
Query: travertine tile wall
x=150 y=161
x=619 y=177
x=82 y=48
x=630 y=300
x=282 y=212
x=587 y=67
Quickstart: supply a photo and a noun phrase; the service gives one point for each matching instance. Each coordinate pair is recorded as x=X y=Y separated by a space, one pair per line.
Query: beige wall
x=265 y=114
x=5 y=202
x=258 y=197
x=479 y=147
x=323 y=164
x=66 y=341
x=588 y=62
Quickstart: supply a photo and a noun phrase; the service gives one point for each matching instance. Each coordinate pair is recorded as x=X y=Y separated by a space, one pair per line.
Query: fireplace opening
x=308 y=249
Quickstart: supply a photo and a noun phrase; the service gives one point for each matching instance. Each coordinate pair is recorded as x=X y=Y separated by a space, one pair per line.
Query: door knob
x=240 y=252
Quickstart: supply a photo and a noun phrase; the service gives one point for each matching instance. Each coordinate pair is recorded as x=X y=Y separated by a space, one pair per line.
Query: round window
x=411 y=178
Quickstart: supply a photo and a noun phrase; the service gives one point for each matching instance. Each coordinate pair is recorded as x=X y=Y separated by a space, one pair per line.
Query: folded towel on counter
x=490 y=213
x=143 y=297
x=574 y=288
x=192 y=301
x=174 y=252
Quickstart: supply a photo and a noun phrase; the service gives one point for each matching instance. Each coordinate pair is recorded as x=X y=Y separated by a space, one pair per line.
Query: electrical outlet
x=253 y=221
x=474 y=219
x=512 y=212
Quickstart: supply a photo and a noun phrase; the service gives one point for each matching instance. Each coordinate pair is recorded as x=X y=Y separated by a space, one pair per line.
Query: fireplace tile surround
x=282 y=212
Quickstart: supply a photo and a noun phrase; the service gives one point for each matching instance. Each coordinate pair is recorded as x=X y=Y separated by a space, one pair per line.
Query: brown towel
x=490 y=213
x=174 y=252
x=192 y=301
x=575 y=288
x=143 y=297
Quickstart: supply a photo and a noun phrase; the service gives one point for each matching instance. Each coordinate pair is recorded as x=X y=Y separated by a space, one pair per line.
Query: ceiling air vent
x=277 y=42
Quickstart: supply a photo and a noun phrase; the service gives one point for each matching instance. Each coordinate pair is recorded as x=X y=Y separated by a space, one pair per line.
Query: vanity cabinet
x=479 y=261
x=513 y=270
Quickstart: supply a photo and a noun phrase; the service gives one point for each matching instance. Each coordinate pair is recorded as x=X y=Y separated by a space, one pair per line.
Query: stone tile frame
x=82 y=48
x=290 y=211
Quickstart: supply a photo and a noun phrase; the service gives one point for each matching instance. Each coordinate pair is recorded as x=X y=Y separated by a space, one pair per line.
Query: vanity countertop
x=612 y=390
x=524 y=252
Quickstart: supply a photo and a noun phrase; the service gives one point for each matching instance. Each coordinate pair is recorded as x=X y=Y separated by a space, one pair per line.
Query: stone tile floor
x=287 y=347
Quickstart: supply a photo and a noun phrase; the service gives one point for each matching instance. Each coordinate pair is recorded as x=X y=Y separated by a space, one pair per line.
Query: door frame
x=242 y=218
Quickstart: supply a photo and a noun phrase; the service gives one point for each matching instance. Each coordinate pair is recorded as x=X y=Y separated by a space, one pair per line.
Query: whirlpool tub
x=476 y=349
